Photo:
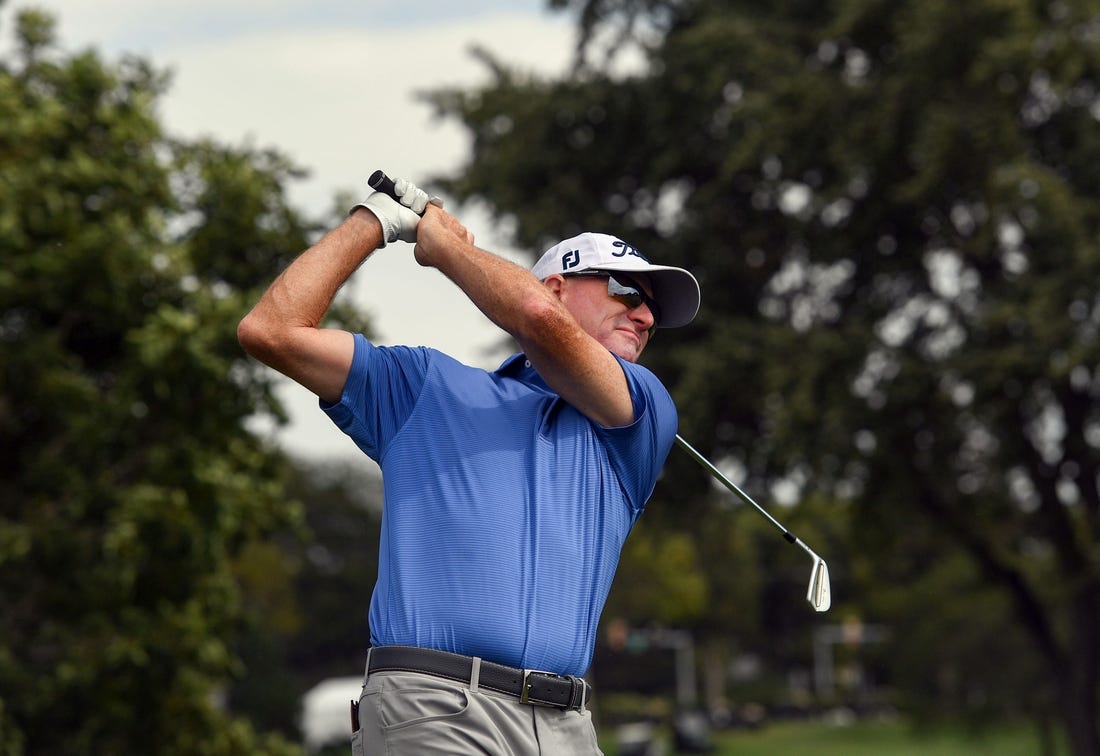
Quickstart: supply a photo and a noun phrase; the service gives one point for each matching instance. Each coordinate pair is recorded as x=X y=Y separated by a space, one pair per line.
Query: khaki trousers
x=405 y=713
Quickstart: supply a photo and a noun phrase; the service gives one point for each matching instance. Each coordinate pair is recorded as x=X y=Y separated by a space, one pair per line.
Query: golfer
x=508 y=494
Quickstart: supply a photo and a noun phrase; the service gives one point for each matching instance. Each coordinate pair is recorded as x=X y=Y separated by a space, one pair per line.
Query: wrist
x=367 y=226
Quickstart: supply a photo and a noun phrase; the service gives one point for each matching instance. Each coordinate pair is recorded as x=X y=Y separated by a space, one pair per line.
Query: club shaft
x=379 y=181
x=737 y=491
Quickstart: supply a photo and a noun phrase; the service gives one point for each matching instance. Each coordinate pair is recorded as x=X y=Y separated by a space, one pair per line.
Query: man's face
x=623 y=330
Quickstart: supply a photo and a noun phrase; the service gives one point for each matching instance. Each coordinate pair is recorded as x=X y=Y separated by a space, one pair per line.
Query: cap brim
x=675 y=289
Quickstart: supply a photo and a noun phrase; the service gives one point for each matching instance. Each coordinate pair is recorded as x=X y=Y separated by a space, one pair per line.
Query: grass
x=885 y=738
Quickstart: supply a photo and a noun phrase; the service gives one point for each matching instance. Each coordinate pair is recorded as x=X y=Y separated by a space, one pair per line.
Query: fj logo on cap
x=571 y=259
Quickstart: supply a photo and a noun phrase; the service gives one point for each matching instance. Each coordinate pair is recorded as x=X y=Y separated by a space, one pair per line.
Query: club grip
x=380 y=182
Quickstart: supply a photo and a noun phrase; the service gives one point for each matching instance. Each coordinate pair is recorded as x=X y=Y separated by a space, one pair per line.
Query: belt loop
x=578 y=689
x=475 y=672
x=366 y=669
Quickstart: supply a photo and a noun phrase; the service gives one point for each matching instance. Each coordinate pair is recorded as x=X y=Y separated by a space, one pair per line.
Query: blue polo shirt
x=505 y=508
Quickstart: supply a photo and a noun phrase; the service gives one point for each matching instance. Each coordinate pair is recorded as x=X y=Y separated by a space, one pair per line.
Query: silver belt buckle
x=525 y=688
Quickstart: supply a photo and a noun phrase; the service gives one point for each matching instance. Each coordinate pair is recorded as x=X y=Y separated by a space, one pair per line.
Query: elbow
x=539 y=310
x=543 y=320
x=255 y=338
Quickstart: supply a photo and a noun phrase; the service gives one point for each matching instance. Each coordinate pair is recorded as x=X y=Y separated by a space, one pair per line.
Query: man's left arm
x=638 y=451
x=580 y=369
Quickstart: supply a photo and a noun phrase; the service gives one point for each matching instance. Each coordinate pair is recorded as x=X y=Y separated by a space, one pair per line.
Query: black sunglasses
x=624 y=289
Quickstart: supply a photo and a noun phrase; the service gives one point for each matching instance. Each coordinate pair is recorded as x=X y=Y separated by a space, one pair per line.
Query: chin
x=630 y=353
x=624 y=345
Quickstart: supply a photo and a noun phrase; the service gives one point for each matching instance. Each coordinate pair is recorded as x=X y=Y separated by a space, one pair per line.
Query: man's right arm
x=283 y=329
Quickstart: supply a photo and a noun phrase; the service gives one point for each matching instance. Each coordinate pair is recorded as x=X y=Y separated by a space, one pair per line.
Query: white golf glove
x=399 y=217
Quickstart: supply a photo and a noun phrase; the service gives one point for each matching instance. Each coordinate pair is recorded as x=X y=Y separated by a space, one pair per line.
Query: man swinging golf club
x=508 y=494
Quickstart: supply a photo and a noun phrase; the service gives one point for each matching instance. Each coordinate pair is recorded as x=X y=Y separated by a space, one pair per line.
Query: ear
x=555 y=283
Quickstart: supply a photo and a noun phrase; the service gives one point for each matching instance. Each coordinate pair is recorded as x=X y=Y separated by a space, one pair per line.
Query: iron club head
x=820 y=594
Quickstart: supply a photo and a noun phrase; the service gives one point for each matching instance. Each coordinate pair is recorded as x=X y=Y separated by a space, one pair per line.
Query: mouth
x=636 y=340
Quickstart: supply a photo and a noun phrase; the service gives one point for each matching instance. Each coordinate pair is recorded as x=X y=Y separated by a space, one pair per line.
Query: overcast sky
x=332 y=85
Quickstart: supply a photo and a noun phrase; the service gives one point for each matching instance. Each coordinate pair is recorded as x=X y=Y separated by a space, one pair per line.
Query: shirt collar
x=519 y=368
x=514 y=365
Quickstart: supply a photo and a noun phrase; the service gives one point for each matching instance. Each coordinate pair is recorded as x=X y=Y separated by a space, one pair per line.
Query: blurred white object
x=326 y=712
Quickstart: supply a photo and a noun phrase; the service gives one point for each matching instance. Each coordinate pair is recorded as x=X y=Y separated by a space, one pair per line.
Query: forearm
x=567 y=357
x=302 y=294
x=506 y=293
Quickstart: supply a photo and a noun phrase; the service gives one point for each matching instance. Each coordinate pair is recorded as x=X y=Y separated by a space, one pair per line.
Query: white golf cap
x=675 y=289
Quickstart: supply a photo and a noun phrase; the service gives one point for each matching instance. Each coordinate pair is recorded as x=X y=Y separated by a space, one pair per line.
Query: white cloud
x=341 y=101
x=142 y=26
x=331 y=84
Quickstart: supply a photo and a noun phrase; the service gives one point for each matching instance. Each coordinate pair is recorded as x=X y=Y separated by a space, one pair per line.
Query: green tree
x=129 y=484
x=307 y=594
x=893 y=211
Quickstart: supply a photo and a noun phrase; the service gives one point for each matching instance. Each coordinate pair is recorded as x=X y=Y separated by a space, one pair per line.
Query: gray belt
x=530 y=686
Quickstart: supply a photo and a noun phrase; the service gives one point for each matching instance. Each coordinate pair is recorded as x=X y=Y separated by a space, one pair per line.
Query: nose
x=644 y=317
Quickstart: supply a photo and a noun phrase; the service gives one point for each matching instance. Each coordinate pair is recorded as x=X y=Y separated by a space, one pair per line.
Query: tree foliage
x=130 y=485
x=892 y=208
x=306 y=594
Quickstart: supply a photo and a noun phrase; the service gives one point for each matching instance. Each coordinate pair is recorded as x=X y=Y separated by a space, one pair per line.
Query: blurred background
x=893 y=209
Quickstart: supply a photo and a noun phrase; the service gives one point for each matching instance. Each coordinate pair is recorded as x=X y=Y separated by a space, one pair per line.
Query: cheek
x=596 y=324
x=588 y=316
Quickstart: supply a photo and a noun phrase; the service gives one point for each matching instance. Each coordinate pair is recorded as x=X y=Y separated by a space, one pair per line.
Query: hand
x=437 y=234
x=400 y=217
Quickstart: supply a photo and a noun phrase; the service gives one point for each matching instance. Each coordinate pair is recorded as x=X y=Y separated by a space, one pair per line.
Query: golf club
x=819 y=594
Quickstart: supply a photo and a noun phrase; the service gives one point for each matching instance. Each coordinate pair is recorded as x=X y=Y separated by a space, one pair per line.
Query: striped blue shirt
x=505 y=508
